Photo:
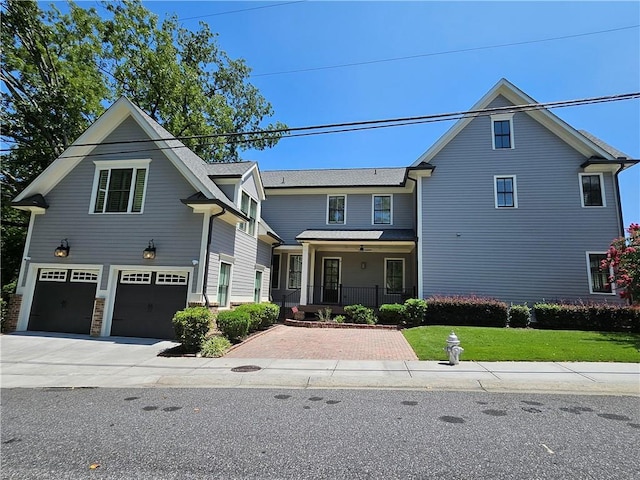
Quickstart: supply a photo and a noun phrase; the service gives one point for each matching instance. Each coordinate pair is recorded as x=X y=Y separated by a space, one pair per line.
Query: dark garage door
x=63 y=301
x=146 y=302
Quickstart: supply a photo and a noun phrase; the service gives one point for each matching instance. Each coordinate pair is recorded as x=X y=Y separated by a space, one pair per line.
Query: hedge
x=391 y=314
x=471 y=311
x=591 y=317
x=191 y=325
x=519 y=316
x=233 y=324
x=359 y=314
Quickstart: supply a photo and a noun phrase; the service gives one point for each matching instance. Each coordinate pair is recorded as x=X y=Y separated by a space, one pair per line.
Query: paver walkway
x=283 y=341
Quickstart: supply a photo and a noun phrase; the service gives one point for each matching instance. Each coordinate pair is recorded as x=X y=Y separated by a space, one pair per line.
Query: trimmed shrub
x=601 y=317
x=262 y=315
x=519 y=316
x=234 y=324
x=214 y=347
x=391 y=314
x=191 y=325
x=359 y=314
x=415 y=311
x=471 y=311
x=270 y=314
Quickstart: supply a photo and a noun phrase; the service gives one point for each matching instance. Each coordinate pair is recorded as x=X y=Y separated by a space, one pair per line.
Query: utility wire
x=239 y=138
x=243 y=10
x=446 y=52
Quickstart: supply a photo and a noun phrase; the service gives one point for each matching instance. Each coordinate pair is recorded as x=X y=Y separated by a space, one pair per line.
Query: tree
x=623 y=259
x=60 y=69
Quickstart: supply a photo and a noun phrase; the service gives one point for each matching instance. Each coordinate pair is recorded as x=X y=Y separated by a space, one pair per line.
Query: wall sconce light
x=149 y=253
x=363 y=265
x=63 y=250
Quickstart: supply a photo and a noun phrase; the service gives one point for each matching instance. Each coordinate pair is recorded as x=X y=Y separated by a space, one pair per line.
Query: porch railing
x=290 y=300
x=371 y=297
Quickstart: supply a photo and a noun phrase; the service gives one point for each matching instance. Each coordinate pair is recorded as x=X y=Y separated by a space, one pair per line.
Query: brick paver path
x=287 y=342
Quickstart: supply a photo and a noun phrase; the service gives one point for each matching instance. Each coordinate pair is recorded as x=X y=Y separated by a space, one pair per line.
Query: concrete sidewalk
x=30 y=360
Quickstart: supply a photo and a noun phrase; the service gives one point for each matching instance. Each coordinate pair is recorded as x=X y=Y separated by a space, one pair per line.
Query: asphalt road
x=334 y=434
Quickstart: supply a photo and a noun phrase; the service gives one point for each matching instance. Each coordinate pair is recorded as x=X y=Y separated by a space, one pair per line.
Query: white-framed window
x=135 y=277
x=257 y=288
x=224 y=282
x=275 y=271
x=172 y=278
x=249 y=207
x=502 y=131
x=599 y=278
x=505 y=191
x=84 y=276
x=119 y=186
x=382 y=208
x=592 y=190
x=394 y=275
x=336 y=209
x=52 y=275
x=294 y=272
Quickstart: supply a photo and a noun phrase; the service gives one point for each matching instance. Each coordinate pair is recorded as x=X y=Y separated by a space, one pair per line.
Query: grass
x=518 y=344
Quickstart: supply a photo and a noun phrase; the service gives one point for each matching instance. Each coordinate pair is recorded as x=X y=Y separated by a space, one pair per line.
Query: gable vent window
x=120 y=190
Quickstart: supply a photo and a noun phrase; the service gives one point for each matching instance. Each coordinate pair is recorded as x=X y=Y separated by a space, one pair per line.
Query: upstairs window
x=249 y=207
x=336 y=207
x=119 y=190
x=502 y=131
x=505 y=191
x=382 y=208
x=592 y=190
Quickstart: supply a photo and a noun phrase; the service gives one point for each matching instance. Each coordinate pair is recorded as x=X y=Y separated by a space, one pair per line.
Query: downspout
x=206 y=260
x=415 y=225
x=618 y=201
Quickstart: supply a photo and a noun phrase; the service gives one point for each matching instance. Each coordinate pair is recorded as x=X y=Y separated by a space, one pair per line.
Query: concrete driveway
x=283 y=341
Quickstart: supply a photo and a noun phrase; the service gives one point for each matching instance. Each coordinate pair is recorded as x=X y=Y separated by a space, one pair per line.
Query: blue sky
x=311 y=34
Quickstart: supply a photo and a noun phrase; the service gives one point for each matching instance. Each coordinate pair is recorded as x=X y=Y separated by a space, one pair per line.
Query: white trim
x=84 y=276
x=344 y=220
x=25 y=254
x=373 y=208
x=134 y=277
x=304 y=275
x=420 y=249
x=404 y=273
x=260 y=268
x=515 y=192
x=172 y=278
x=501 y=117
x=202 y=259
x=408 y=188
x=602 y=193
x=53 y=275
x=109 y=165
x=277 y=287
x=30 y=286
x=613 y=287
x=227 y=258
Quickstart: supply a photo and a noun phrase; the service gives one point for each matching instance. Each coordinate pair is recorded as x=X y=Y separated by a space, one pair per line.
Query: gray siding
x=229 y=191
x=247 y=252
x=249 y=186
x=110 y=239
x=533 y=252
x=289 y=215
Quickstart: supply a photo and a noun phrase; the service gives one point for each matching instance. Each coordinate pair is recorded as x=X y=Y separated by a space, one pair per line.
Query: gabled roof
x=352 y=177
x=192 y=167
x=513 y=94
x=614 y=152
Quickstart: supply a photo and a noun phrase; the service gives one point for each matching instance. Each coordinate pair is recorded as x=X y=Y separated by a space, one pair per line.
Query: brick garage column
x=13 y=312
x=98 y=316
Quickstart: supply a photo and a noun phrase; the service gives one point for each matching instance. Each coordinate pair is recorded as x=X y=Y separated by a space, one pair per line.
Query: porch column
x=304 y=281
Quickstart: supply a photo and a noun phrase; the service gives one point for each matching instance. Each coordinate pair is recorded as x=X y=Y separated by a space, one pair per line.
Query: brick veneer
x=13 y=312
x=98 y=316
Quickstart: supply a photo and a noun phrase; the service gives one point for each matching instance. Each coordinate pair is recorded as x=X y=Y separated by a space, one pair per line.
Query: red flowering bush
x=623 y=258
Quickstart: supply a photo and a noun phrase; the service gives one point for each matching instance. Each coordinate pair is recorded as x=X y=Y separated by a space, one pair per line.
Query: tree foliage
x=59 y=70
x=623 y=258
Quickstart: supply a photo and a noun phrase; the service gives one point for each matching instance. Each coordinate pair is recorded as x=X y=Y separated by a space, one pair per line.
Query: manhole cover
x=246 y=368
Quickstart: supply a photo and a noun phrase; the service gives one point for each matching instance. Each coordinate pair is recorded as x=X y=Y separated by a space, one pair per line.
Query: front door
x=330 y=280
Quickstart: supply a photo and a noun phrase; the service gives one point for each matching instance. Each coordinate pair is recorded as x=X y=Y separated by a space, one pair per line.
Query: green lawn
x=516 y=344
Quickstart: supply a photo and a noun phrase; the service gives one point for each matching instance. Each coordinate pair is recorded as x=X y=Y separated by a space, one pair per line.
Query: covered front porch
x=337 y=268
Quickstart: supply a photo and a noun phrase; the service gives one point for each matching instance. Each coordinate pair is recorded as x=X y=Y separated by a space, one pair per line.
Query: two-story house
x=128 y=225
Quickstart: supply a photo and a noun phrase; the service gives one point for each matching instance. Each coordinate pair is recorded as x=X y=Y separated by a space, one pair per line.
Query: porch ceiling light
x=149 y=253
x=63 y=250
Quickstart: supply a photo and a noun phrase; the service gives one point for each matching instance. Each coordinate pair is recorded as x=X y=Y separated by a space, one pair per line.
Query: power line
x=242 y=10
x=239 y=138
x=446 y=52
